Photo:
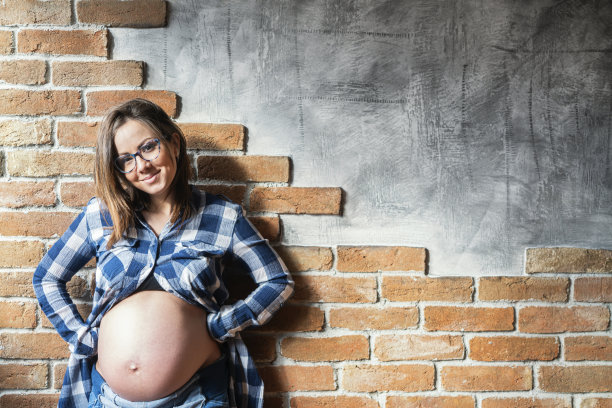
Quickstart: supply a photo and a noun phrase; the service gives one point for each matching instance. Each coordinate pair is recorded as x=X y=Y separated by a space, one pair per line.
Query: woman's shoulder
x=215 y=205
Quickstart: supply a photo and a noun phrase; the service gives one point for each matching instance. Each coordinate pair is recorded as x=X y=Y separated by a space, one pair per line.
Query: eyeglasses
x=148 y=151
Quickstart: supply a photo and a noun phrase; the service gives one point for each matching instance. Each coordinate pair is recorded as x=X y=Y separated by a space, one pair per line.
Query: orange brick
x=374 y=318
x=98 y=102
x=393 y=347
x=377 y=378
x=121 y=13
x=296 y=200
x=24 y=133
x=593 y=289
x=27 y=163
x=49 y=102
x=373 y=259
x=6 y=42
x=420 y=288
x=268 y=227
x=92 y=73
x=339 y=348
x=596 y=403
x=72 y=42
x=234 y=192
x=59 y=370
x=295 y=318
x=18 y=315
x=27 y=72
x=526 y=403
x=16 y=194
x=261 y=348
x=541 y=319
x=78 y=193
x=523 y=288
x=333 y=289
x=23 y=376
x=55 y=12
x=514 y=348
x=29 y=400
x=244 y=168
x=83 y=308
x=213 y=136
x=333 y=402
x=20 y=254
x=486 y=378
x=32 y=345
x=469 y=318
x=568 y=260
x=301 y=258
x=588 y=348
x=462 y=401
x=571 y=379
x=35 y=223
x=298 y=378
x=16 y=284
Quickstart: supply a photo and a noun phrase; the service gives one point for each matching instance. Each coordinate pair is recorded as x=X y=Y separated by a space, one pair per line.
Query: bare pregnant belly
x=151 y=343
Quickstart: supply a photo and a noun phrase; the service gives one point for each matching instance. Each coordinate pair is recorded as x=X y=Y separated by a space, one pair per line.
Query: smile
x=151 y=178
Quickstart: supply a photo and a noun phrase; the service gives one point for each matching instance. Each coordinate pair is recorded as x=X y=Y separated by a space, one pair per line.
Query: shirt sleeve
x=274 y=284
x=69 y=254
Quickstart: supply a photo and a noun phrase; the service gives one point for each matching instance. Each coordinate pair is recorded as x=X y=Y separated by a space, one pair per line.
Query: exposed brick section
x=70 y=42
x=20 y=254
x=575 y=378
x=77 y=133
x=32 y=345
x=486 y=378
x=59 y=370
x=213 y=136
x=420 y=288
x=235 y=193
x=297 y=200
x=568 y=260
x=76 y=194
x=583 y=348
x=298 y=378
x=339 y=348
x=469 y=318
x=514 y=348
x=462 y=401
x=34 y=223
x=593 y=289
x=377 y=378
x=526 y=403
x=535 y=319
x=332 y=289
x=16 y=284
x=92 y=73
x=261 y=348
x=300 y=259
x=17 y=315
x=47 y=164
x=27 y=72
x=268 y=227
x=57 y=12
x=372 y=259
x=24 y=102
x=18 y=376
x=98 y=102
x=513 y=288
x=24 y=133
x=244 y=168
x=6 y=42
x=395 y=347
x=294 y=318
x=121 y=13
x=333 y=402
x=374 y=318
x=29 y=400
x=596 y=403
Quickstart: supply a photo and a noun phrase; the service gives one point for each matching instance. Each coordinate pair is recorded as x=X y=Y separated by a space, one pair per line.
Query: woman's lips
x=150 y=178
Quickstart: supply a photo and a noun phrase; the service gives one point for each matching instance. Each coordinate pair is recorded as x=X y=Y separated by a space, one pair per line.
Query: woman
x=159 y=330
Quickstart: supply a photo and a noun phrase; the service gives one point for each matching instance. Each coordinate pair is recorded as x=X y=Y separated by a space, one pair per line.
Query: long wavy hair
x=117 y=193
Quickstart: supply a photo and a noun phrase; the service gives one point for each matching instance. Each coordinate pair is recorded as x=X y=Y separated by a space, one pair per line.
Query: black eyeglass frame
x=138 y=153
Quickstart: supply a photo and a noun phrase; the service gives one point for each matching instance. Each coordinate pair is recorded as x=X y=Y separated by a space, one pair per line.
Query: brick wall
x=367 y=327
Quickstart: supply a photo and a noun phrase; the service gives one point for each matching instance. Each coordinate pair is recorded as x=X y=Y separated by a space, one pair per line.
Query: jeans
x=206 y=389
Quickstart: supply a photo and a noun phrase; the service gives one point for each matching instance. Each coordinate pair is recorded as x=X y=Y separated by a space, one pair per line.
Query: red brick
x=420 y=288
x=244 y=168
x=374 y=318
x=393 y=347
x=23 y=376
x=98 y=102
x=333 y=402
x=235 y=193
x=16 y=194
x=462 y=401
x=49 y=102
x=32 y=345
x=596 y=403
x=593 y=289
x=35 y=223
x=71 y=42
x=373 y=259
x=55 y=12
x=27 y=163
x=121 y=13
x=20 y=254
x=261 y=348
x=514 y=348
x=568 y=260
x=77 y=133
x=295 y=318
x=16 y=284
x=24 y=133
x=333 y=289
x=298 y=378
x=77 y=193
x=378 y=378
x=296 y=200
x=59 y=370
x=6 y=42
x=268 y=227
x=542 y=319
x=92 y=73
x=302 y=258
x=525 y=402
x=523 y=288
x=469 y=318
x=583 y=348
x=486 y=378
x=29 y=400
x=572 y=379
x=339 y=348
x=213 y=136
x=27 y=72
x=18 y=315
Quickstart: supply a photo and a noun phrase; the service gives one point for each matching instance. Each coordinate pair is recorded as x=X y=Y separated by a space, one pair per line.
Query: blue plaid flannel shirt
x=187 y=260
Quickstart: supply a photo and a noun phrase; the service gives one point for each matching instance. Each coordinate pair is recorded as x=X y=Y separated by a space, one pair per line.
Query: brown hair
x=121 y=198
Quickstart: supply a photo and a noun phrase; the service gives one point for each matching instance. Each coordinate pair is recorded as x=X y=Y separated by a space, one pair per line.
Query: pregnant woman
x=159 y=334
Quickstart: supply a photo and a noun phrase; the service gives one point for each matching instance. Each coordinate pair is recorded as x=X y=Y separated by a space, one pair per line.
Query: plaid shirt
x=187 y=260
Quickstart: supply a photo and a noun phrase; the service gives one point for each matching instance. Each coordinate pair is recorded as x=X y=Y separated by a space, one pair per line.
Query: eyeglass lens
x=148 y=151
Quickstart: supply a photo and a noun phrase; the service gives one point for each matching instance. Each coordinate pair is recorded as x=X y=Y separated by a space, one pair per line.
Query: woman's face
x=152 y=177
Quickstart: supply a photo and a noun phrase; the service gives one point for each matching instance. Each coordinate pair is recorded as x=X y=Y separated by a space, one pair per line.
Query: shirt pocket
x=115 y=266
x=199 y=261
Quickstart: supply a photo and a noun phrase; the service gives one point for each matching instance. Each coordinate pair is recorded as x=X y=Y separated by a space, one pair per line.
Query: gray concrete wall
x=472 y=128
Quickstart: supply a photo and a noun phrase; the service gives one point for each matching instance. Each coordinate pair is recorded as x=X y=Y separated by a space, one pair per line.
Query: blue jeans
x=206 y=389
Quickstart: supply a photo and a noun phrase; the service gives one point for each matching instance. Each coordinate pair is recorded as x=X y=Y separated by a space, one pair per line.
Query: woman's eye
x=124 y=160
x=148 y=147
